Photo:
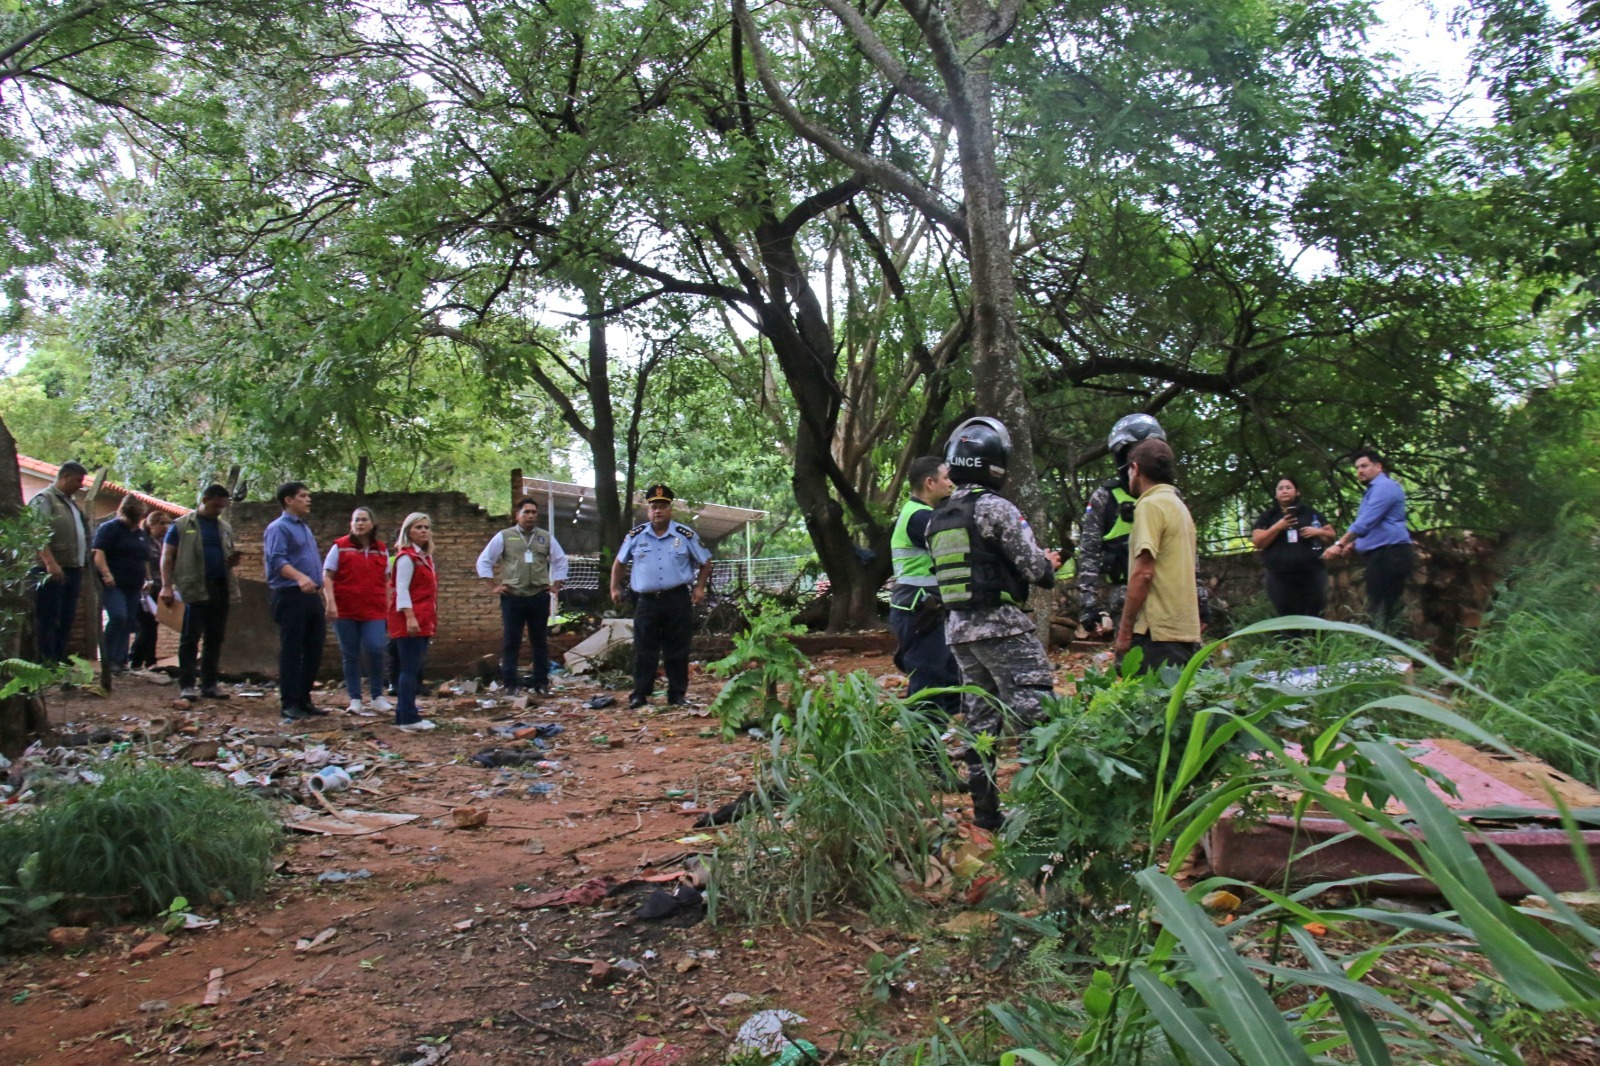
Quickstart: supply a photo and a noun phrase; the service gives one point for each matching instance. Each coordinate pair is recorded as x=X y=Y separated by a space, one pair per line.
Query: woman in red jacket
x=413 y=614
x=354 y=593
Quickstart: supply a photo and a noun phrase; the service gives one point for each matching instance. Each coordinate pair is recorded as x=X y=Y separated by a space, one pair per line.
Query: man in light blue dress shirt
x=1379 y=533
x=294 y=584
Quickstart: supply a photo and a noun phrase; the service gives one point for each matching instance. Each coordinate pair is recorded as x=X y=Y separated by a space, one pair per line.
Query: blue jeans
x=410 y=651
x=56 y=608
x=122 y=610
x=362 y=643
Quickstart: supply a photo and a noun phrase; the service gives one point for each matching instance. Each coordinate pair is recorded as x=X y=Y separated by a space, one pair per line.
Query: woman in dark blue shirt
x=122 y=559
x=1291 y=537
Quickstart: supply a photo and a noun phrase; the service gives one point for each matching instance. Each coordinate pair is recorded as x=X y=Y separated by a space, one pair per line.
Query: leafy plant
x=764 y=657
x=843 y=810
x=25 y=911
x=1276 y=987
x=1539 y=645
x=143 y=836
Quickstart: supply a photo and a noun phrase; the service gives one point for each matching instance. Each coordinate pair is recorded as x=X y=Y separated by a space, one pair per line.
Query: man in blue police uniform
x=667 y=558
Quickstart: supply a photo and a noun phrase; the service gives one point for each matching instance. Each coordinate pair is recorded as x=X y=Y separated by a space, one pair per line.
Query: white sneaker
x=354 y=708
x=417 y=727
x=381 y=704
x=189 y=694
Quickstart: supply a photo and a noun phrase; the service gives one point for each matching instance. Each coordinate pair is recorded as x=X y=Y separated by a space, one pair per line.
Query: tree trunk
x=22 y=717
x=603 y=444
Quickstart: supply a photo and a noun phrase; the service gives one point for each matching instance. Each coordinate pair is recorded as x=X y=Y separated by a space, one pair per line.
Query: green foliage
x=1083 y=800
x=764 y=657
x=842 y=812
x=1269 y=989
x=144 y=836
x=24 y=910
x=1539 y=644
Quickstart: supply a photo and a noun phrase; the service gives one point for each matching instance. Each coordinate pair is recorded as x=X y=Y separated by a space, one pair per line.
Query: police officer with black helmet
x=1102 y=556
x=985 y=558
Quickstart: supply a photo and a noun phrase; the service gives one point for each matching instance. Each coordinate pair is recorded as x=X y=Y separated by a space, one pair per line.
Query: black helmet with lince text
x=979 y=450
x=1130 y=430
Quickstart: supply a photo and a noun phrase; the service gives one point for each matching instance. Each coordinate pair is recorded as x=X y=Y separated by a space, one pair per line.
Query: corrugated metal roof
x=572 y=502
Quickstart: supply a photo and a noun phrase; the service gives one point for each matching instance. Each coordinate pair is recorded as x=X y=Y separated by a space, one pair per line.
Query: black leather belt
x=664 y=592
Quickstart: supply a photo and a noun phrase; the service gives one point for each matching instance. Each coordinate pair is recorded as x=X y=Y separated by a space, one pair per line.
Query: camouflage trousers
x=1011 y=670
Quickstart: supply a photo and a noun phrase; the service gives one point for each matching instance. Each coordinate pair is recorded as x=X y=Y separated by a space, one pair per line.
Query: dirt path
x=437 y=947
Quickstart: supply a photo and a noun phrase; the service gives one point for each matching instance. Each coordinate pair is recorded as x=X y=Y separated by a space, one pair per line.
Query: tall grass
x=142 y=837
x=1273 y=988
x=1540 y=646
x=843 y=811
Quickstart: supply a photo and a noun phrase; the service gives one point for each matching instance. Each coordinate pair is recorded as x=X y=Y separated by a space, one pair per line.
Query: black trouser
x=663 y=624
x=204 y=625
x=1388 y=568
x=926 y=661
x=56 y=609
x=1298 y=591
x=302 y=630
x=146 y=631
x=1159 y=653
x=517 y=613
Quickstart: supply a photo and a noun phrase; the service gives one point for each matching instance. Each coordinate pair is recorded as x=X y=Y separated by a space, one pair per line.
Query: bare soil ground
x=439 y=946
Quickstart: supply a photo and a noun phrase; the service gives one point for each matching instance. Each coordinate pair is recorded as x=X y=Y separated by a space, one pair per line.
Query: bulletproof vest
x=973 y=572
x=1114 y=541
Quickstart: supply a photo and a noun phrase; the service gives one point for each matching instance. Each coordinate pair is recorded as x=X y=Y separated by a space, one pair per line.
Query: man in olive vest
x=198 y=558
x=916 y=614
x=532 y=569
x=59 y=574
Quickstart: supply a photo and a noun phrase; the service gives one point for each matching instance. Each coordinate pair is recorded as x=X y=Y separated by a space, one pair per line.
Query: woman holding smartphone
x=1290 y=535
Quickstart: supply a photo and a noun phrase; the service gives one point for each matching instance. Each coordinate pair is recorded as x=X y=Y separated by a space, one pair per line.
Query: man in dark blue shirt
x=1379 y=533
x=197 y=564
x=294 y=583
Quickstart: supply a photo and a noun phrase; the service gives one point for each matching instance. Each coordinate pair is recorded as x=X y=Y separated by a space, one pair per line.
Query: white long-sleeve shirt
x=496 y=548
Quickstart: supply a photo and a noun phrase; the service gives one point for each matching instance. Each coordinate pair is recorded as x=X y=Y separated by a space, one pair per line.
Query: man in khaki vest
x=59 y=574
x=532 y=570
x=197 y=566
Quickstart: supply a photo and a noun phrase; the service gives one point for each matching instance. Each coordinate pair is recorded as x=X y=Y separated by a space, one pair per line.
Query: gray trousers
x=1012 y=669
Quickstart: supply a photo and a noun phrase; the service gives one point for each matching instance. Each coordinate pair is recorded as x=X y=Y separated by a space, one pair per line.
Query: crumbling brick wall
x=1451 y=587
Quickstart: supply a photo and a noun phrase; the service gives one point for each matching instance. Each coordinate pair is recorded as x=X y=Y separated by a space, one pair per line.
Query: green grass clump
x=1539 y=647
x=142 y=837
x=843 y=810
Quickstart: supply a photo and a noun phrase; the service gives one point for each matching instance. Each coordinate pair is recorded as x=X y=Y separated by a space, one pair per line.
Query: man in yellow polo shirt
x=1162 y=615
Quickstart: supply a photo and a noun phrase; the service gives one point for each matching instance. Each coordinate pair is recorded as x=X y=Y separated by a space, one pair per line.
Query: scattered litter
x=214 y=989
x=432 y=1055
x=614 y=636
x=541 y=788
x=336 y=877
x=490 y=758
x=763 y=1033
x=349 y=823
x=597 y=702
x=154 y=1006
x=735 y=999
x=194 y=921
x=663 y=904
x=329 y=779
x=463 y=925
x=305 y=944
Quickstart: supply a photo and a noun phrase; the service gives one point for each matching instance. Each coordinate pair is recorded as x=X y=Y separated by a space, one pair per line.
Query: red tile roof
x=49 y=470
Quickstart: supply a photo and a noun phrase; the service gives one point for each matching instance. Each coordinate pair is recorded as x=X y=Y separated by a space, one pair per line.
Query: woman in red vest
x=413 y=613
x=355 y=594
